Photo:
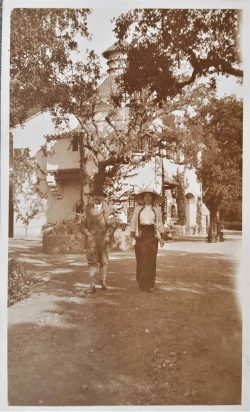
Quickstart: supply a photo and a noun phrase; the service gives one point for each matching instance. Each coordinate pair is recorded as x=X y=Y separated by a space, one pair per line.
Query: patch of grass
x=19 y=282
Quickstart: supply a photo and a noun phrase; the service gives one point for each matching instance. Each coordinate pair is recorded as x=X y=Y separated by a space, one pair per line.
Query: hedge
x=19 y=282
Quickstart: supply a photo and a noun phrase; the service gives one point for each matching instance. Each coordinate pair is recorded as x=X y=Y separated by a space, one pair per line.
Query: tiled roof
x=107 y=88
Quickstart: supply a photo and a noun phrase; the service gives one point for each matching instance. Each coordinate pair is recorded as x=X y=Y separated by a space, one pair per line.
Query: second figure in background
x=147 y=229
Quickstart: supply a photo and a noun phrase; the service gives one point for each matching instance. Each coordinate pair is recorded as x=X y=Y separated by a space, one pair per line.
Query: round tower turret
x=116 y=56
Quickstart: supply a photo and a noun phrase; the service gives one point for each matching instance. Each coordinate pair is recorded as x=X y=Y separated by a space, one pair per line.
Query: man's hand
x=162 y=242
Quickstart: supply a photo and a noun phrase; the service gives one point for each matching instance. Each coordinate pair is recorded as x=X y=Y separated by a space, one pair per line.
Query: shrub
x=19 y=283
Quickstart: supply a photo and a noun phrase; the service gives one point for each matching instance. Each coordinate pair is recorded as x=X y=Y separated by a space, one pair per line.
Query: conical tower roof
x=119 y=45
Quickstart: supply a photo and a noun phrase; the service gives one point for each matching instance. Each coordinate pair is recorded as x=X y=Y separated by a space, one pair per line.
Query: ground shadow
x=124 y=346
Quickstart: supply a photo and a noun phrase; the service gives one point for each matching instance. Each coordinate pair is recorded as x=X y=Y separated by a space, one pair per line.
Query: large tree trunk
x=84 y=178
x=164 y=203
x=213 y=226
x=213 y=201
x=179 y=194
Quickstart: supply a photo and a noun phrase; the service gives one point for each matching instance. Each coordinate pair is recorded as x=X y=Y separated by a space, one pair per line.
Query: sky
x=99 y=24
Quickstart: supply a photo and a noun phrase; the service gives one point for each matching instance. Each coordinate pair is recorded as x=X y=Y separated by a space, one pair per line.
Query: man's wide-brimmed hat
x=97 y=192
x=157 y=198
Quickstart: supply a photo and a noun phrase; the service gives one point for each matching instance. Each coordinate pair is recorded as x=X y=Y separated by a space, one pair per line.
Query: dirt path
x=178 y=346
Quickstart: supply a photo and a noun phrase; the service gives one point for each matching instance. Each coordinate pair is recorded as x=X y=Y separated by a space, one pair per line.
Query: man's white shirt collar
x=98 y=208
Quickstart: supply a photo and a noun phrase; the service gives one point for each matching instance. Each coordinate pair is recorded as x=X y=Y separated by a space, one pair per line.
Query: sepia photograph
x=122 y=192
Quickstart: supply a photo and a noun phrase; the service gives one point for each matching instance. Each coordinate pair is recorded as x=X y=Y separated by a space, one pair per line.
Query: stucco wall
x=61 y=155
x=63 y=208
x=193 y=186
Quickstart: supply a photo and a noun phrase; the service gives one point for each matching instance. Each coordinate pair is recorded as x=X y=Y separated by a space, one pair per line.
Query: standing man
x=96 y=228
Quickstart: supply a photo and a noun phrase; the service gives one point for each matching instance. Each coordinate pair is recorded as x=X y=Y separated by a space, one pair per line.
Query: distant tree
x=214 y=147
x=30 y=210
x=28 y=198
x=179 y=194
x=199 y=215
x=172 y=48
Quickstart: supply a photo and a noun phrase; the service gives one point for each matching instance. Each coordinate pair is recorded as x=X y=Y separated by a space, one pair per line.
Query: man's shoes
x=91 y=290
x=104 y=285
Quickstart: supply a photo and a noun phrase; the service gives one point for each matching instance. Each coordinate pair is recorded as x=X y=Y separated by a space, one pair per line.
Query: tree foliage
x=218 y=127
x=179 y=194
x=214 y=137
x=172 y=48
x=42 y=43
x=26 y=176
x=102 y=136
x=45 y=76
